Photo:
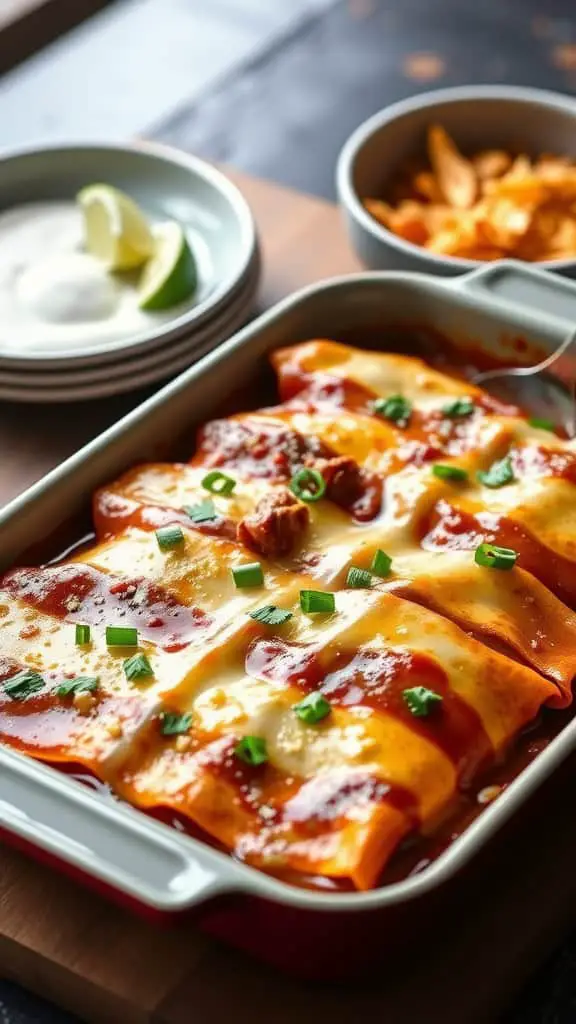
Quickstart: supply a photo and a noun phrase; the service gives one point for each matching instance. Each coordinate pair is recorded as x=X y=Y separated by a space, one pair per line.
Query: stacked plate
x=167 y=185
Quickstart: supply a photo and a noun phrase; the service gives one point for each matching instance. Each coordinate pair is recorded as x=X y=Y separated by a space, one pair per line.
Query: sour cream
x=54 y=296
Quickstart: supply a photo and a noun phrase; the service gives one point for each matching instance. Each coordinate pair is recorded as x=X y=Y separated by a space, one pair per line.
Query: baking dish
x=156 y=867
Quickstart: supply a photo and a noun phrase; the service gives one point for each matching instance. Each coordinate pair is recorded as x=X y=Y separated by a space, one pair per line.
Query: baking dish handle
x=65 y=823
x=524 y=293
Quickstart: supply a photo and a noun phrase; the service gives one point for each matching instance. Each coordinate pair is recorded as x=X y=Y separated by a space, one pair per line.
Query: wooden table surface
x=110 y=968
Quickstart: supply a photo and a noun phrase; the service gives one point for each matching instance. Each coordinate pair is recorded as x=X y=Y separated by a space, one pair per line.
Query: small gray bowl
x=478 y=117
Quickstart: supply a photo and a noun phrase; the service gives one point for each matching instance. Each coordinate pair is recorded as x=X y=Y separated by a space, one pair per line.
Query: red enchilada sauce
x=456 y=529
x=114 y=512
x=268 y=450
x=376 y=679
x=80 y=593
x=43 y=723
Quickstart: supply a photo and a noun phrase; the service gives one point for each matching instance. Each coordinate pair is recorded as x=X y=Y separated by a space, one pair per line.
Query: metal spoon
x=533 y=388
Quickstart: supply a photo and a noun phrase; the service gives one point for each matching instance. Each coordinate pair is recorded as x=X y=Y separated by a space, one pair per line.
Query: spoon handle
x=529 y=371
x=539 y=368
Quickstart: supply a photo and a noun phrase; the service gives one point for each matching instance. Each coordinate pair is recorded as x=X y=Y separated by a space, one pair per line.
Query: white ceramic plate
x=132 y=375
x=169 y=185
x=134 y=366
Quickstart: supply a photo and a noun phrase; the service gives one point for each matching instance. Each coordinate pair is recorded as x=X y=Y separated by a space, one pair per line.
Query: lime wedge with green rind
x=116 y=231
x=171 y=275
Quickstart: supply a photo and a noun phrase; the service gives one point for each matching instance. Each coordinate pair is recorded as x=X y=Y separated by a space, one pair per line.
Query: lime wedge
x=171 y=275
x=116 y=230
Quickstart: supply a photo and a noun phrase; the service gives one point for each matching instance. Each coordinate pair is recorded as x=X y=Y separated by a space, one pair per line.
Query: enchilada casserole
x=309 y=640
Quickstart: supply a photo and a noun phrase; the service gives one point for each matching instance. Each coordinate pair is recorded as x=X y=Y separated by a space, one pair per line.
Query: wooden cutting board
x=107 y=966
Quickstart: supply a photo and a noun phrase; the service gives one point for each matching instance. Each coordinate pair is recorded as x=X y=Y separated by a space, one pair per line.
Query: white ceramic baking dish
x=123 y=850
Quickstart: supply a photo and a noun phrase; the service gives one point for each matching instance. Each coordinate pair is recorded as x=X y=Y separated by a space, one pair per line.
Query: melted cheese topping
x=383 y=374
x=198 y=572
x=336 y=795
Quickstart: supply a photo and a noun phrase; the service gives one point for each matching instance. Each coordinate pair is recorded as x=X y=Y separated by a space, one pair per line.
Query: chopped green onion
x=395 y=408
x=358 y=578
x=312 y=709
x=313 y=601
x=489 y=556
x=248 y=575
x=308 y=485
x=121 y=636
x=499 y=474
x=381 y=563
x=444 y=472
x=421 y=700
x=542 y=424
x=219 y=483
x=169 y=537
x=175 y=725
x=459 y=407
x=83 y=635
x=23 y=684
x=271 y=615
x=138 y=667
x=81 y=684
x=204 y=512
x=252 y=750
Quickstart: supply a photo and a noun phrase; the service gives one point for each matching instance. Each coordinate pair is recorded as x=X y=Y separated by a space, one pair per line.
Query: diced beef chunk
x=275 y=525
x=354 y=489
